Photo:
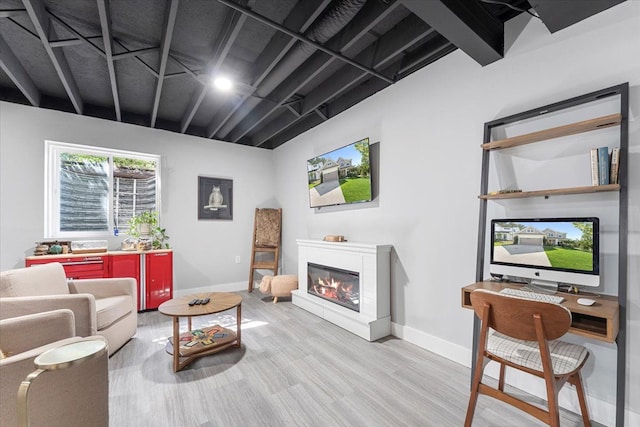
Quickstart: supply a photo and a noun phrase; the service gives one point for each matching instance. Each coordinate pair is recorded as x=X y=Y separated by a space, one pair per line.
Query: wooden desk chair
x=267 y=231
x=523 y=338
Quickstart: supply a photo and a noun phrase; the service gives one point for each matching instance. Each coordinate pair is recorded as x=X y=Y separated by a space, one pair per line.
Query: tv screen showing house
x=341 y=176
x=566 y=245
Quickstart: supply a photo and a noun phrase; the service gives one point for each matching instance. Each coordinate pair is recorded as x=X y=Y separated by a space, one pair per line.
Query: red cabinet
x=158 y=278
x=152 y=270
x=77 y=267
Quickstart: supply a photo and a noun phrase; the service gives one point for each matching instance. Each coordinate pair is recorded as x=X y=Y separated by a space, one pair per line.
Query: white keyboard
x=532 y=295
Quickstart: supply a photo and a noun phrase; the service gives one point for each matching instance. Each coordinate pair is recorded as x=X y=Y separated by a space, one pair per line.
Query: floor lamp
x=56 y=358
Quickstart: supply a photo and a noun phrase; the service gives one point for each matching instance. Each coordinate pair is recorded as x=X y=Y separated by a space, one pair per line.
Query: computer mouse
x=585 y=301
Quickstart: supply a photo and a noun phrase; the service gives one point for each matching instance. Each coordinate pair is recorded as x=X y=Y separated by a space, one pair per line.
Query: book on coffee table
x=198 y=340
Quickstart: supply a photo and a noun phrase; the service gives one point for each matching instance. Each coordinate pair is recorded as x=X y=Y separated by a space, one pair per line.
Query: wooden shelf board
x=264 y=265
x=553 y=192
x=570 y=129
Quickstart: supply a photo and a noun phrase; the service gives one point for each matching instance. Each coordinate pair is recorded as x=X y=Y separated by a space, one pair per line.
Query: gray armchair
x=104 y=307
x=77 y=396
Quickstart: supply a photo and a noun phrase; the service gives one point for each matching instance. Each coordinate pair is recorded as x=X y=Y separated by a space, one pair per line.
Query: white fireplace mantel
x=372 y=262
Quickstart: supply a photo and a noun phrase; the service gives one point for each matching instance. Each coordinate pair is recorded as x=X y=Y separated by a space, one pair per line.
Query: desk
x=599 y=321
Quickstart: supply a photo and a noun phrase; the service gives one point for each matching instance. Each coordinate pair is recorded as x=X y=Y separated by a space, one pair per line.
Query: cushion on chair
x=565 y=357
x=268 y=228
x=45 y=279
x=110 y=310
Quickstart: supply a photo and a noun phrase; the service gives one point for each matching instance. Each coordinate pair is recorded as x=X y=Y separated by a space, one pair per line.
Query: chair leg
x=475 y=387
x=501 y=379
x=251 y=280
x=480 y=364
x=576 y=380
x=552 y=402
x=275 y=300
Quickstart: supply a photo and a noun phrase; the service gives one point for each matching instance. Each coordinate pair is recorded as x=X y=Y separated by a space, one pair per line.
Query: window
x=93 y=191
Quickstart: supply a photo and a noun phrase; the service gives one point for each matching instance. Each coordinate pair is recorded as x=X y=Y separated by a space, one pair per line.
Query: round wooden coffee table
x=201 y=342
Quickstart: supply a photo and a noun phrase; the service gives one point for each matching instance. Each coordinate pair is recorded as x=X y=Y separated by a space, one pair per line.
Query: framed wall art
x=215 y=198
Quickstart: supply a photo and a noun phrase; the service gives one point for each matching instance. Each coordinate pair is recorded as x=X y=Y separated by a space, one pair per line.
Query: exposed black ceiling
x=296 y=63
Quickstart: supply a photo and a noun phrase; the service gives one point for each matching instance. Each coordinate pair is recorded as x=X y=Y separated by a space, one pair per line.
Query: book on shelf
x=603 y=165
x=594 y=167
x=615 y=165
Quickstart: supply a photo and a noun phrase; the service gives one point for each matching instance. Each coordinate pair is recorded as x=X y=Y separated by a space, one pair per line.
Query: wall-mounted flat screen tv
x=341 y=176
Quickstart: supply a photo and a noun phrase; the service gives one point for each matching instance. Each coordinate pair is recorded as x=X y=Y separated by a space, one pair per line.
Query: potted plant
x=141 y=225
x=145 y=227
x=159 y=237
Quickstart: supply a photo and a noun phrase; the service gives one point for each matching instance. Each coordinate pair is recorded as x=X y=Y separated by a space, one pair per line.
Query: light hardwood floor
x=293 y=369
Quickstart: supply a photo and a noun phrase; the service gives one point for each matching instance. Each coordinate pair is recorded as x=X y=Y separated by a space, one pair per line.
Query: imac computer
x=546 y=252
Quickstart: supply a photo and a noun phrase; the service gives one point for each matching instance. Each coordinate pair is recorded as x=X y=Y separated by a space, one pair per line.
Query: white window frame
x=53 y=149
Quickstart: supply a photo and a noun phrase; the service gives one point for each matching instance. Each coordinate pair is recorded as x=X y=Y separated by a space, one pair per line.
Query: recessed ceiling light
x=222 y=83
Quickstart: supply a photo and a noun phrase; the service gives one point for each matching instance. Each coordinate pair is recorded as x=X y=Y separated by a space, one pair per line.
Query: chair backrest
x=44 y=279
x=267 y=227
x=514 y=317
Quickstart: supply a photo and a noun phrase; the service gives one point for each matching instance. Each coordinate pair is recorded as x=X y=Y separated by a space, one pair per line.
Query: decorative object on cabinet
x=104 y=307
x=267 y=231
x=41 y=249
x=215 y=198
x=55 y=249
x=45 y=247
x=614 y=97
x=128 y=245
x=144 y=244
x=61 y=397
x=88 y=246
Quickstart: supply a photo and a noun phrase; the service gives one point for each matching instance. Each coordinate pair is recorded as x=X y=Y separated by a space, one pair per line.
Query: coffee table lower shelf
x=202 y=342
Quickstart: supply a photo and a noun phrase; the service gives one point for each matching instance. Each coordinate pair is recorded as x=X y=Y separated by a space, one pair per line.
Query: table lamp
x=57 y=358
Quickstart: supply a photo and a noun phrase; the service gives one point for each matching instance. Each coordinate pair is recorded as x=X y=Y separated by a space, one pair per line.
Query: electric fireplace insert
x=339 y=286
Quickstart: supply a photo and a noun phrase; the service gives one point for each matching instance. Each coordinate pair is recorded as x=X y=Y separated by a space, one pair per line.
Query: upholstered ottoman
x=279 y=286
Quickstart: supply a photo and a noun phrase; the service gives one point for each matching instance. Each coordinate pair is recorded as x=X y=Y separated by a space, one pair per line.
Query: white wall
x=204 y=250
x=429 y=127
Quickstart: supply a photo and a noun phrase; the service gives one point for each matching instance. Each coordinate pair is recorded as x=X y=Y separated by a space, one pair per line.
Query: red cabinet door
x=159 y=278
x=127 y=266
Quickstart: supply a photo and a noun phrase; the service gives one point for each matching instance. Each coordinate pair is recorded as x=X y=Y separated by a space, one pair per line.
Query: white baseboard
x=599 y=410
x=632 y=418
x=436 y=345
x=225 y=287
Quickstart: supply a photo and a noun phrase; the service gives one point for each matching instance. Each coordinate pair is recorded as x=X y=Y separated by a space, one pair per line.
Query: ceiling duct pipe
x=328 y=26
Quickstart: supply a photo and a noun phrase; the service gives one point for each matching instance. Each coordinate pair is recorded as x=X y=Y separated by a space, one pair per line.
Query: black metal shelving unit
x=622 y=91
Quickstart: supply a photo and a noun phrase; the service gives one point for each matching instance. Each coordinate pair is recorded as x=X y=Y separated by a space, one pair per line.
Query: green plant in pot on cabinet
x=146 y=228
